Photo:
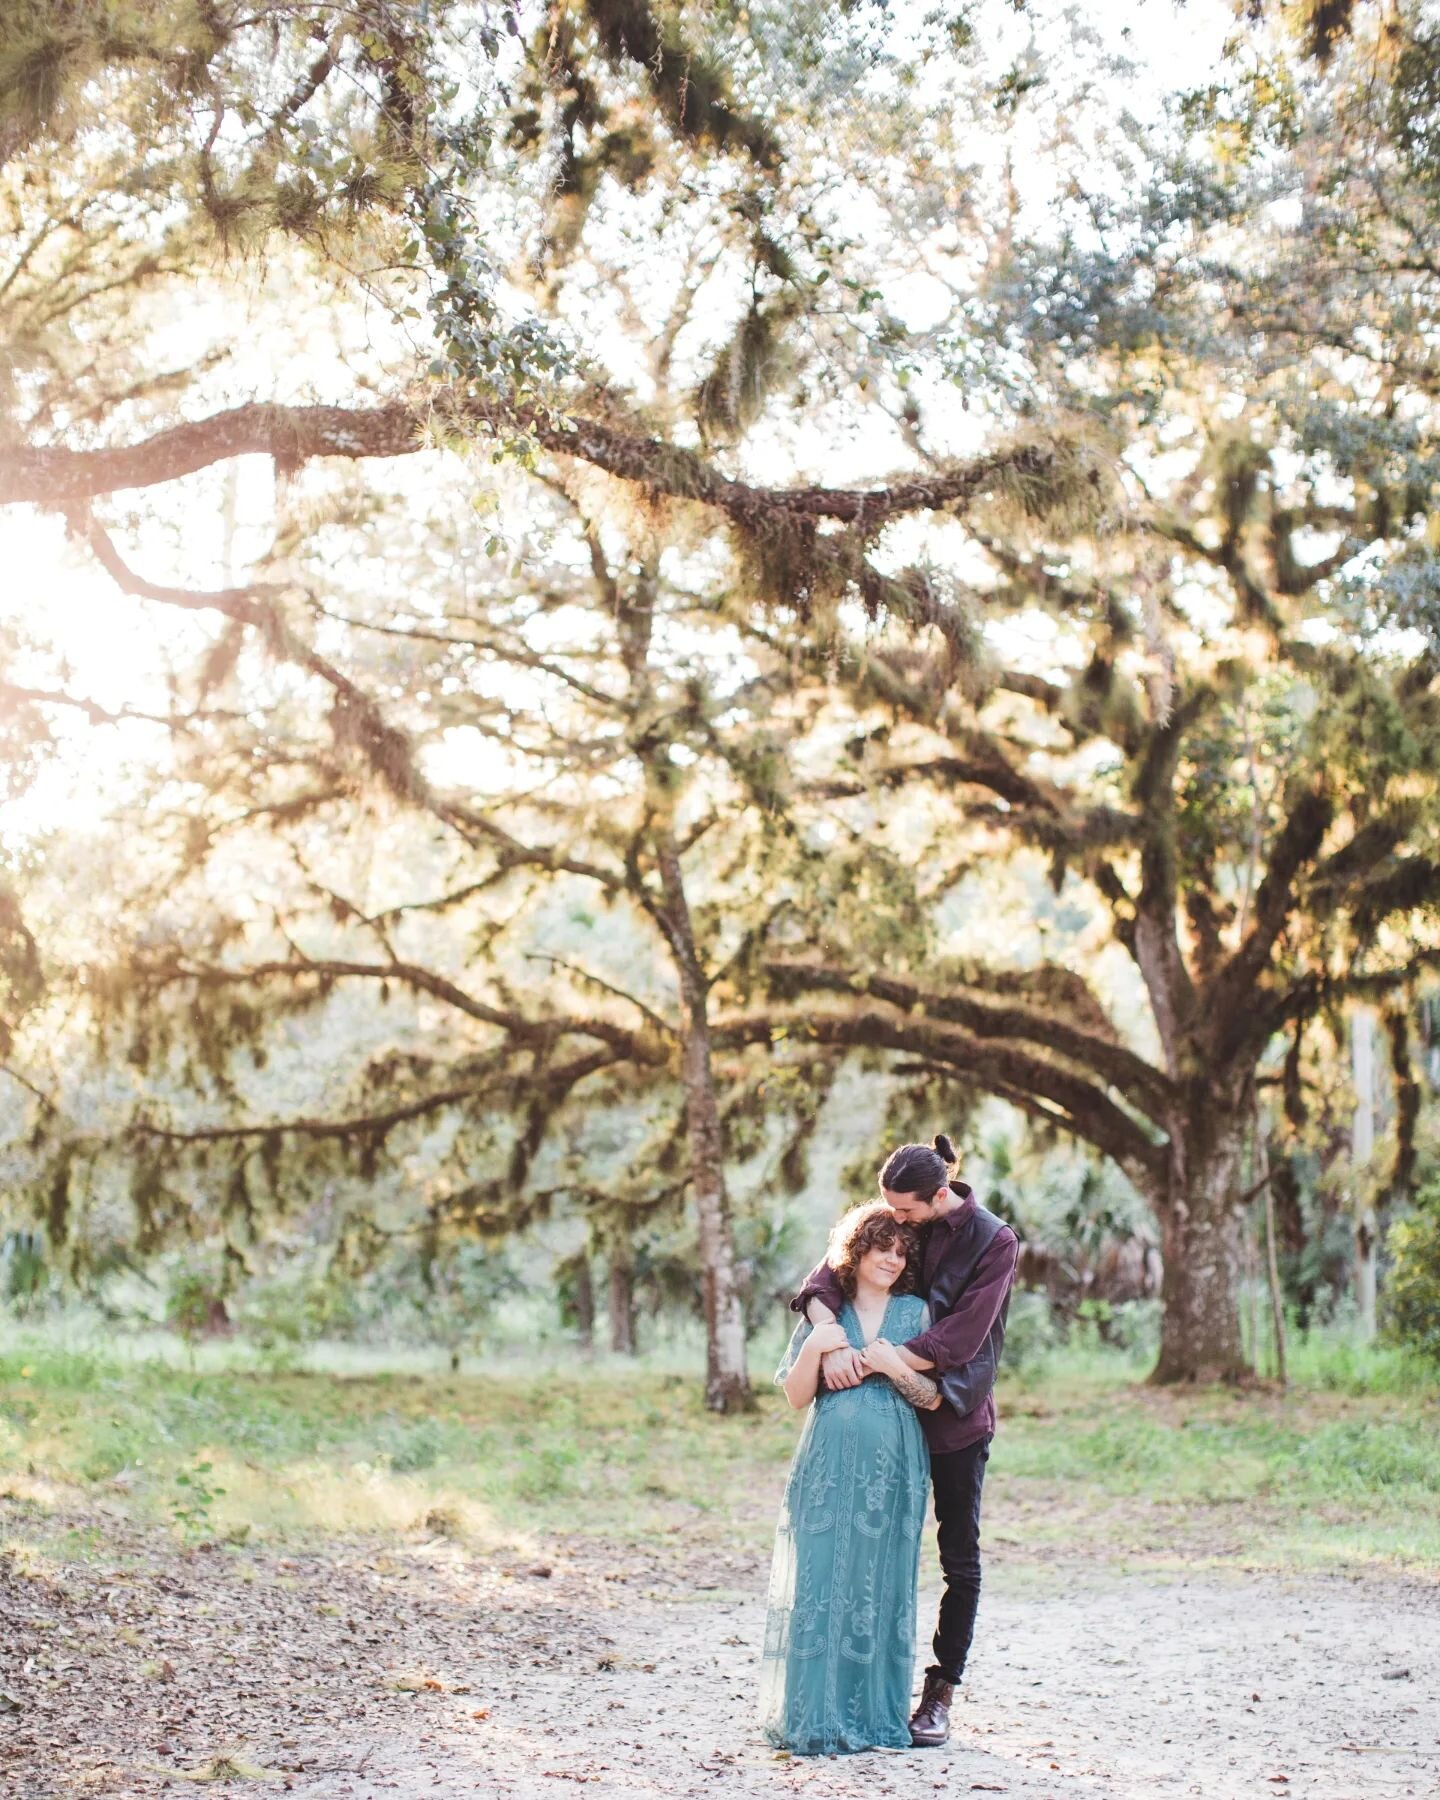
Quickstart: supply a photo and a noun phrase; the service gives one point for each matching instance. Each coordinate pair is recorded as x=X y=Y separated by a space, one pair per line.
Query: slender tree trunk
x=622 y=1304
x=1367 y=1240
x=727 y=1380
x=584 y=1302
x=1362 y=1149
x=1252 y=1292
x=1272 y=1264
x=1277 y=1304
x=1204 y=1251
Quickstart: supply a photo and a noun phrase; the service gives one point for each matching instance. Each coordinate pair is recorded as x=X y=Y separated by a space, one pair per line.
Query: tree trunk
x=1200 y=1335
x=1367 y=1243
x=584 y=1302
x=1362 y=1149
x=1272 y=1261
x=622 y=1304
x=727 y=1379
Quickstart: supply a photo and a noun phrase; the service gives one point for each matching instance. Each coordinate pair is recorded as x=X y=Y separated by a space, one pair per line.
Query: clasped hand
x=842 y=1366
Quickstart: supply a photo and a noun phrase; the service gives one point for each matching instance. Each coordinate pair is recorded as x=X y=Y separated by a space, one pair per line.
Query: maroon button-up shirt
x=954 y=1340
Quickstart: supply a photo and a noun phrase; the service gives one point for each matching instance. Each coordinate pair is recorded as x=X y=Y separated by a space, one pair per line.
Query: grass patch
x=1343 y=1470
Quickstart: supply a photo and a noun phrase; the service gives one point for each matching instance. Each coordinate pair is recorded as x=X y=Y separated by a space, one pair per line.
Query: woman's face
x=882 y=1265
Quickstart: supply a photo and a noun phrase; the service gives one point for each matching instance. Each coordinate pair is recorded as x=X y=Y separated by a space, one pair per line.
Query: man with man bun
x=966 y=1270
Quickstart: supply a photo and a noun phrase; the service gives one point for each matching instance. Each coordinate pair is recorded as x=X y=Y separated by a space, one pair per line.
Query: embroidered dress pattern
x=840 y=1626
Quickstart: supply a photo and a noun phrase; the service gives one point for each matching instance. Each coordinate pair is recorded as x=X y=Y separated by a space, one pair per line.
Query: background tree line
x=697 y=557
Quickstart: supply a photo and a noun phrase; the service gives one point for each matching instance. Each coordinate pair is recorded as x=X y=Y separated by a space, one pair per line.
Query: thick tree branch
x=58 y=476
x=1152 y=935
x=1228 y=998
x=1086 y=1110
x=997 y=1015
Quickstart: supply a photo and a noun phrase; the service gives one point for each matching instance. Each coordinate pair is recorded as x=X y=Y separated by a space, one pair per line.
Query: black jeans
x=958 y=1476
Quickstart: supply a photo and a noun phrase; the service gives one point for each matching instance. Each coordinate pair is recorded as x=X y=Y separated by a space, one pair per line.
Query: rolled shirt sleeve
x=820 y=1284
x=969 y=1387
x=959 y=1337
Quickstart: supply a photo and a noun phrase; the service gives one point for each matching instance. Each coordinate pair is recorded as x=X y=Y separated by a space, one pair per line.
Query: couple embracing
x=895 y=1356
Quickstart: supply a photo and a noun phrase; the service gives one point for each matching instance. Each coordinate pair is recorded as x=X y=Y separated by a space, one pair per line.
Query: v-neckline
x=879 y=1329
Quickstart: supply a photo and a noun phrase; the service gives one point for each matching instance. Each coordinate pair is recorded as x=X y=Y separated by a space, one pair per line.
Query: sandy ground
x=430 y=1671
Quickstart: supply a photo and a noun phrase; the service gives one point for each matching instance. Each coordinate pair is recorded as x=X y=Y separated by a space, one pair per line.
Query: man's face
x=910 y=1209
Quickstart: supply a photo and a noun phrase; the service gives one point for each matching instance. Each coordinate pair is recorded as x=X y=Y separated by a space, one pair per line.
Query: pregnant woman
x=840 y=1631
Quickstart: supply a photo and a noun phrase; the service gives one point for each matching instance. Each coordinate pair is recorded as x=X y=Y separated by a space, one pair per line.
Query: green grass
x=1341 y=1470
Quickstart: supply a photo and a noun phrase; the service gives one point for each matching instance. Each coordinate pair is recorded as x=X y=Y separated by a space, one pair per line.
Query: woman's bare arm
x=804 y=1378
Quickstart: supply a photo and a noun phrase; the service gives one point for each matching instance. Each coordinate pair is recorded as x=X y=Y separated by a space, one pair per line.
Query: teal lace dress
x=840 y=1629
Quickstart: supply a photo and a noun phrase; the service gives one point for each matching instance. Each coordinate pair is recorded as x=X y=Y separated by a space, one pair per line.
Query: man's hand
x=842 y=1369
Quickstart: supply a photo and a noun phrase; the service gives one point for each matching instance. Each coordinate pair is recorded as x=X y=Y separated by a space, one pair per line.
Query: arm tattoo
x=918 y=1389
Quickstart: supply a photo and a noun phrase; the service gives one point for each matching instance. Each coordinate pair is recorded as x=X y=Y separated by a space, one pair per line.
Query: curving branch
x=58 y=476
x=356 y=720
x=1227 y=999
x=1151 y=934
x=560 y=1077
x=1001 y=1015
x=521 y=1029
x=1069 y=1100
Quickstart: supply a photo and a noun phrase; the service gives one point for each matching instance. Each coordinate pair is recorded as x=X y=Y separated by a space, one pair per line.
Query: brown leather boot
x=930 y=1722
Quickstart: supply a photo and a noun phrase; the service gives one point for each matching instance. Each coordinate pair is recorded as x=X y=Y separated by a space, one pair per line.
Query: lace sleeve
x=793 y=1348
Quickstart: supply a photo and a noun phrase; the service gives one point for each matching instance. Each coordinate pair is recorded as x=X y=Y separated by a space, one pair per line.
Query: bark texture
x=584 y=1303
x=622 y=1304
x=1203 y=1249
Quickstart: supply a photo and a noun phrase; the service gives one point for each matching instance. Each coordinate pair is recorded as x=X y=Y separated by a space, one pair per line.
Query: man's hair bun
x=945 y=1149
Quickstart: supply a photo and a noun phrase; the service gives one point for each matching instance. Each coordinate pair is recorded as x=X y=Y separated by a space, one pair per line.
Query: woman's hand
x=881 y=1357
x=829 y=1337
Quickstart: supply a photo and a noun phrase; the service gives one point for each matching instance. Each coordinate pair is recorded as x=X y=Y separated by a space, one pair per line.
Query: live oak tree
x=1242 y=764
x=391 y=174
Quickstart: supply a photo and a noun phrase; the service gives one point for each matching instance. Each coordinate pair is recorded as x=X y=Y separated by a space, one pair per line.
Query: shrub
x=1031 y=1333
x=24 y=1276
x=1412 y=1293
x=194 y=1306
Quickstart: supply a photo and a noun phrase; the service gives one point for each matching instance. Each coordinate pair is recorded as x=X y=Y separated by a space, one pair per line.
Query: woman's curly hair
x=870 y=1227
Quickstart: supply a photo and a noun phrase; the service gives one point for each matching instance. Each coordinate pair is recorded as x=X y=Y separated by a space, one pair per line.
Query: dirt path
x=426 y=1671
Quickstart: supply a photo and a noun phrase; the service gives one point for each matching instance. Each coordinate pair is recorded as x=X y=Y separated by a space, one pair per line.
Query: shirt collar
x=959 y=1215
